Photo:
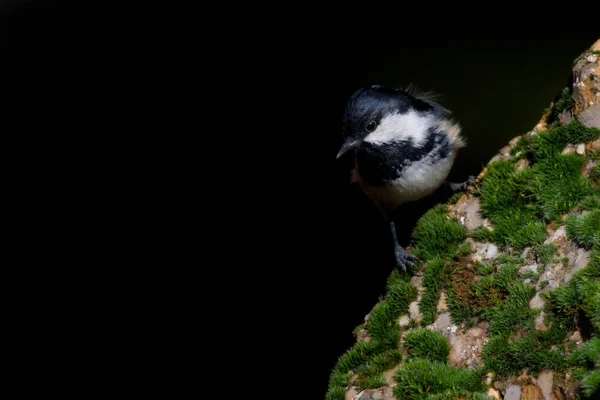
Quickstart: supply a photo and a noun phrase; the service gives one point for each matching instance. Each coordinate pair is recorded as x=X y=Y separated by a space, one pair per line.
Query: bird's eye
x=371 y=126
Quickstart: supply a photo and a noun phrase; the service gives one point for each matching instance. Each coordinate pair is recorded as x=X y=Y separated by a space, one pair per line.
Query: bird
x=403 y=144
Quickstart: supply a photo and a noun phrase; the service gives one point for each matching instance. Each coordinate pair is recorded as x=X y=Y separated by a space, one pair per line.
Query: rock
x=531 y=392
x=384 y=393
x=466 y=347
x=442 y=304
x=544 y=382
x=513 y=392
x=522 y=164
x=581 y=149
x=570 y=149
x=389 y=376
x=558 y=236
x=575 y=337
x=565 y=117
x=415 y=313
x=363 y=336
x=442 y=323
x=352 y=393
x=582 y=259
x=539 y=322
x=493 y=393
x=492 y=251
x=586 y=86
x=526 y=252
x=404 y=321
x=417 y=281
x=588 y=167
x=525 y=268
x=487 y=251
x=468 y=212
x=536 y=302
x=483 y=325
x=590 y=117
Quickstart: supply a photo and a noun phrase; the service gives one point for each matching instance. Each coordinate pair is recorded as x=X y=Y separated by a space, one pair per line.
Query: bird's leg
x=460 y=187
x=403 y=259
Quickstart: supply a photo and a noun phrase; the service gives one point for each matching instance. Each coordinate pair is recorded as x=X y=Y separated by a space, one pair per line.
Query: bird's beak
x=348 y=144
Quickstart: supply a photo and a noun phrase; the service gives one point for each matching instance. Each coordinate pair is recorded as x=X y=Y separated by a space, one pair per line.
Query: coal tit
x=403 y=145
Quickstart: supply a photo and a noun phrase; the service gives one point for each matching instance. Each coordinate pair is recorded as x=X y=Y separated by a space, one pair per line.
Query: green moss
x=561 y=185
x=595 y=175
x=521 y=203
x=482 y=234
x=565 y=102
x=486 y=269
x=455 y=197
x=382 y=325
x=369 y=359
x=590 y=384
x=591 y=202
x=336 y=393
x=587 y=355
x=507 y=317
x=545 y=252
x=508 y=357
x=584 y=229
x=522 y=146
x=427 y=344
x=552 y=142
x=436 y=235
x=433 y=280
x=419 y=379
x=506 y=199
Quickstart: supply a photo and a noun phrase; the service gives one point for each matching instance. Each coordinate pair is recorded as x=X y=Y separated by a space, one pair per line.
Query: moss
x=486 y=269
x=370 y=382
x=586 y=355
x=419 y=379
x=522 y=146
x=521 y=203
x=436 y=235
x=482 y=234
x=564 y=102
x=455 y=197
x=590 y=384
x=511 y=311
x=433 y=280
x=545 y=253
x=382 y=325
x=336 y=393
x=592 y=202
x=595 y=175
x=427 y=344
x=509 y=357
x=506 y=198
x=584 y=229
x=561 y=185
x=553 y=141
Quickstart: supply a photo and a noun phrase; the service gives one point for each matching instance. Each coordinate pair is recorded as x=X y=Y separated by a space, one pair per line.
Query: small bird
x=403 y=144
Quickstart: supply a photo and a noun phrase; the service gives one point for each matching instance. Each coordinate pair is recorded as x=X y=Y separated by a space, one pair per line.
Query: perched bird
x=403 y=145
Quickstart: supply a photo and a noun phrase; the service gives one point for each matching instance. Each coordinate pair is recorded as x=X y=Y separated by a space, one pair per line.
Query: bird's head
x=381 y=115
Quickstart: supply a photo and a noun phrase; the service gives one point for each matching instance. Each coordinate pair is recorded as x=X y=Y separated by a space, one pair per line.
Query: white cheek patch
x=398 y=127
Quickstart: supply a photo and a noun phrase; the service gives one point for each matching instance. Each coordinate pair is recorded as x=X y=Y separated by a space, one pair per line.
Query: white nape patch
x=397 y=127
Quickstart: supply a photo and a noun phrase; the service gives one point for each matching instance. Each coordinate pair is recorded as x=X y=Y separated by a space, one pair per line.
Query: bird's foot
x=403 y=259
x=462 y=187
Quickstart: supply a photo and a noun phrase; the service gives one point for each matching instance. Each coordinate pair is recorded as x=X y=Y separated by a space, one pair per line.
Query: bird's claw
x=404 y=260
